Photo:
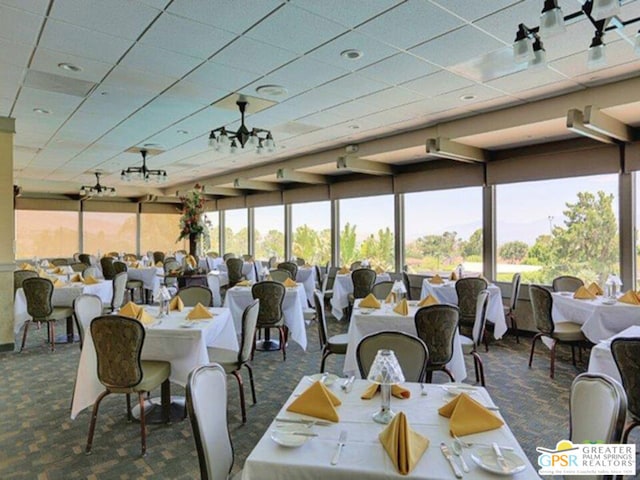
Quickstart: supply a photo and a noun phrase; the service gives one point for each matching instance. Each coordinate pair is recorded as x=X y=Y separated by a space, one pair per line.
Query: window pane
x=236 y=235
x=558 y=227
x=46 y=234
x=110 y=232
x=366 y=231
x=213 y=220
x=269 y=232
x=443 y=229
x=311 y=227
x=158 y=232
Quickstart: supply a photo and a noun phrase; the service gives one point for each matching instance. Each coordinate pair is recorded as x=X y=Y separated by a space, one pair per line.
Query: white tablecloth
x=342 y=287
x=307 y=277
x=446 y=293
x=185 y=348
x=601 y=360
x=363 y=456
x=599 y=321
x=151 y=278
x=238 y=298
x=386 y=319
x=215 y=280
x=210 y=263
x=248 y=270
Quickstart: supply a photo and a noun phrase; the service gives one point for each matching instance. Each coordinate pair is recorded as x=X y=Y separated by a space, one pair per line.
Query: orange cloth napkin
x=344 y=271
x=404 y=446
x=466 y=416
x=90 y=280
x=199 y=312
x=583 y=294
x=396 y=390
x=26 y=266
x=58 y=271
x=144 y=318
x=317 y=401
x=630 y=297
x=176 y=303
x=369 y=302
x=76 y=278
x=402 y=308
x=379 y=270
x=289 y=283
x=595 y=289
x=244 y=283
x=453 y=276
x=428 y=300
x=130 y=310
x=436 y=280
x=57 y=282
x=159 y=264
x=136 y=265
x=268 y=277
x=191 y=261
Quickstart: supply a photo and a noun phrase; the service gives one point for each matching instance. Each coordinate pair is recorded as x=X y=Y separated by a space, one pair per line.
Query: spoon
x=457 y=450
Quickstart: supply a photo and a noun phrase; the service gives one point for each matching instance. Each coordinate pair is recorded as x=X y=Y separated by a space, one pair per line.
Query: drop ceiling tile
x=59 y=104
x=219 y=76
x=527 y=79
x=321 y=119
x=353 y=86
x=194 y=93
x=46 y=60
x=13 y=53
x=617 y=53
x=5 y=106
x=479 y=92
x=398 y=69
x=170 y=108
x=234 y=18
x=458 y=46
x=613 y=73
x=158 y=61
x=437 y=83
x=474 y=10
x=253 y=56
x=84 y=126
x=10 y=81
x=128 y=81
x=83 y=42
x=38 y=7
x=410 y=24
x=576 y=39
x=18 y=25
x=202 y=41
x=290 y=23
x=116 y=105
x=350 y=13
x=552 y=90
x=120 y=18
x=392 y=97
x=312 y=101
x=353 y=109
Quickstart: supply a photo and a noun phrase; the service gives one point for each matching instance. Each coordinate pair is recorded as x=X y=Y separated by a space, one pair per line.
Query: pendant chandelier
x=97 y=190
x=223 y=140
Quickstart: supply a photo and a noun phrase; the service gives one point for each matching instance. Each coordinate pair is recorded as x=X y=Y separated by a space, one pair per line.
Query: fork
x=341 y=441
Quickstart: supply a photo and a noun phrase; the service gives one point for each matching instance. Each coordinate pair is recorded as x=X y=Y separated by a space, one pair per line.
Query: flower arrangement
x=193 y=220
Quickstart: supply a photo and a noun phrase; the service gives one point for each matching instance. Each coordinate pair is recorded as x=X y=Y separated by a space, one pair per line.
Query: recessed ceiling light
x=351 y=54
x=271 y=90
x=104 y=93
x=42 y=111
x=152 y=145
x=354 y=126
x=467 y=97
x=182 y=132
x=69 y=67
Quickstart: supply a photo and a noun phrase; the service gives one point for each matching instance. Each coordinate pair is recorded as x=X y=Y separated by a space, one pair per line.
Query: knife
x=341 y=441
x=447 y=454
x=502 y=463
x=320 y=423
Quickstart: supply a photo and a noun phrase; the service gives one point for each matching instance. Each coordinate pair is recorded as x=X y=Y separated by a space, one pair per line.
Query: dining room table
x=601 y=359
x=151 y=278
x=170 y=338
x=445 y=292
x=343 y=287
x=367 y=321
x=248 y=270
x=306 y=275
x=308 y=450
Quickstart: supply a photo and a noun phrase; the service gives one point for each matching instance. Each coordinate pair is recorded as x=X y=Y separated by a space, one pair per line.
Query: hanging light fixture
x=601 y=9
x=636 y=43
x=539 y=54
x=551 y=19
x=596 y=56
x=97 y=190
x=143 y=173
x=222 y=139
x=522 y=46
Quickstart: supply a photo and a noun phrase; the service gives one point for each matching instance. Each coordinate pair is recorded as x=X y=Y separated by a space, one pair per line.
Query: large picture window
x=269 y=232
x=236 y=234
x=158 y=232
x=311 y=232
x=213 y=221
x=109 y=232
x=46 y=234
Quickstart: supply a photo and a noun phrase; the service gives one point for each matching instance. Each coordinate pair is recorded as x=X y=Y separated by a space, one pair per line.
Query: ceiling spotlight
x=601 y=9
x=522 y=46
x=41 y=111
x=551 y=19
x=596 y=56
x=271 y=90
x=539 y=54
x=466 y=98
x=182 y=132
x=351 y=54
x=69 y=67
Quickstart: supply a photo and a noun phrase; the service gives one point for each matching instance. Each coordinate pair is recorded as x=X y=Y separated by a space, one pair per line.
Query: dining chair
x=412 y=353
x=227 y=256
x=355 y=265
x=626 y=354
x=363 y=280
x=113 y=254
x=270 y=314
x=20 y=276
x=118 y=342
x=328 y=282
x=382 y=290
x=234 y=270
x=407 y=285
x=232 y=361
x=510 y=310
x=108 y=271
x=291 y=267
x=319 y=277
x=158 y=257
x=561 y=332
x=59 y=262
x=336 y=344
x=597 y=410
x=437 y=326
x=119 y=286
x=467 y=290
x=86 y=307
x=195 y=294
x=85 y=258
x=273 y=262
x=280 y=275
x=470 y=344
x=566 y=283
x=78 y=266
x=247 y=258
x=38 y=293
x=207 y=386
x=300 y=261
x=132 y=285
x=90 y=272
x=171 y=268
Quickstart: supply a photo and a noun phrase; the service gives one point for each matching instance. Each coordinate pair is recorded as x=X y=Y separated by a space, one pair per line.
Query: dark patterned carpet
x=39 y=441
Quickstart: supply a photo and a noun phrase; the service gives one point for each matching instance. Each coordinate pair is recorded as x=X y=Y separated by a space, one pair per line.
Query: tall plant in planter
x=193 y=223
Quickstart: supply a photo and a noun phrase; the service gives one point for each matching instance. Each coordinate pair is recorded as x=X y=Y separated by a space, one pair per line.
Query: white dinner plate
x=566 y=294
x=366 y=311
x=283 y=435
x=187 y=324
x=486 y=459
x=454 y=389
x=329 y=380
x=609 y=302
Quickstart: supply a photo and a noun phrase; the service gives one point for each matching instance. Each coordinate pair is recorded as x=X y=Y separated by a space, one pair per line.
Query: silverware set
x=347 y=385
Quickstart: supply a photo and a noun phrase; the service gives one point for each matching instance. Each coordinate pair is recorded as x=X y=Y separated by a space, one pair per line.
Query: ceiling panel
x=58 y=104
x=159 y=62
x=46 y=60
x=399 y=68
x=253 y=56
x=437 y=83
x=527 y=79
x=350 y=13
x=12 y=53
x=10 y=81
x=392 y=97
x=134 y=82
x=5 y=106
x=19 y=25
x=38 y=7
x=474 y=10
x=192 y=92
x=617 y=53
x=219 y=76
x=353 y=86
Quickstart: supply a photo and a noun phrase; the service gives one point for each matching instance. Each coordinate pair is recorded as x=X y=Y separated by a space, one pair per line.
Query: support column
x=627 y=232
x=335 y=233
x=251 y=232
x=221 y=231
x=7 y=239
x=489 y=232
x=288 y=234
x=399 y=231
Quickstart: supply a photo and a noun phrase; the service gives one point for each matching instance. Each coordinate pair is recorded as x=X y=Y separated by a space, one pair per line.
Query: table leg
x=153 y=410
x=267 y=345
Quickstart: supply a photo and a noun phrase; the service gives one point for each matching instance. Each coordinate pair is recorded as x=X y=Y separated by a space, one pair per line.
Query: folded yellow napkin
x=76 y=278
x=369 y=302
x=130 y=310
x=428 y=300
x=289 y=283
x=396 y=390
x=404 y=445
x=630 y=297
x=191 y=261
x=453 y=276
x=42 y=273
x=176 y=303
x=136 y=265
x=402 y=308
x=26 y=266
x=344 y=271
x=57 y=282
x=199 y=312
x=317 y=401
x=595 y=289
x=307 y=265
x=268 y=277
x=244 y=283
x=159 y=264
x=90 y=280
x=436 y=280
x=144 y=318
x=379 y=270
x=58 y=271
x=583 y=294
x=466 y=416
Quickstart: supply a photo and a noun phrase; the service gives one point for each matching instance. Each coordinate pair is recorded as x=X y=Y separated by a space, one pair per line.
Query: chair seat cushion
x=60 y=313
x=467 y=344
x=134 y=283
x=228 y=359
x=154 y=372
x=338 y=343
x=568 y=332
x=309 y=313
